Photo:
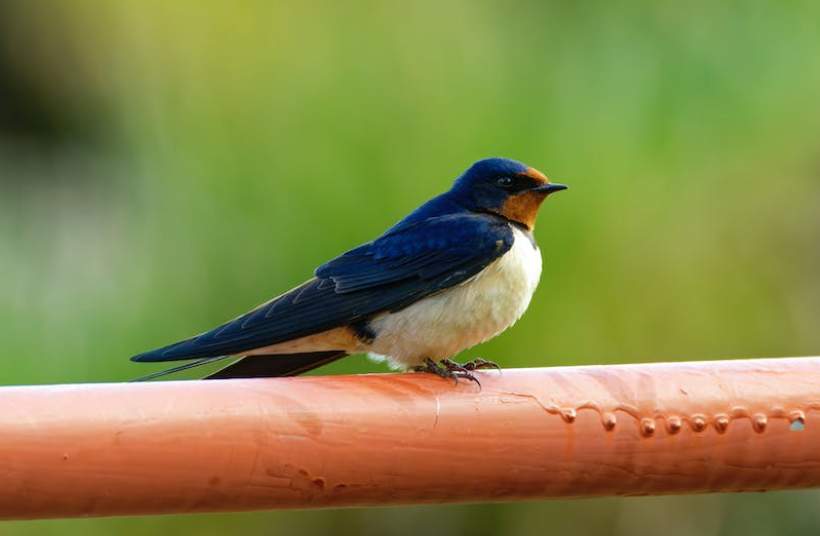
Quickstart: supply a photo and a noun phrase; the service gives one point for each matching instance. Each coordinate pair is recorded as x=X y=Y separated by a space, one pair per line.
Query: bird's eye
x=504 y=182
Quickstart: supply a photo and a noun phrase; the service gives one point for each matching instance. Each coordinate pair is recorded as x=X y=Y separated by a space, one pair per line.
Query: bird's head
x=504 y=187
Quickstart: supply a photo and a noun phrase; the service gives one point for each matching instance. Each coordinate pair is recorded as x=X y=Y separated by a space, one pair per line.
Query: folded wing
x=408 y=263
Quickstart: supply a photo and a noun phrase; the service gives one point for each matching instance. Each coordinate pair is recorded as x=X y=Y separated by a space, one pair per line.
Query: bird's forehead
x=533 y=173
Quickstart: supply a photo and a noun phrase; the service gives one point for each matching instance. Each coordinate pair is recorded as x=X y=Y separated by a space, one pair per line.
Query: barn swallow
x=457 y=271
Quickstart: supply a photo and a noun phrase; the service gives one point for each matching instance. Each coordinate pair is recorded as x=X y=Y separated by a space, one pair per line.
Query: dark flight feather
x=268 y=366
x=414 y=259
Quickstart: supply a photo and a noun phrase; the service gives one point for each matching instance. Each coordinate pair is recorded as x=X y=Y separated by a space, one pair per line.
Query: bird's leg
x=479 y=363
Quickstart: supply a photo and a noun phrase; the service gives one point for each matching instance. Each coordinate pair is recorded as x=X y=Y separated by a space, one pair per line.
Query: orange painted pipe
x=327 y=441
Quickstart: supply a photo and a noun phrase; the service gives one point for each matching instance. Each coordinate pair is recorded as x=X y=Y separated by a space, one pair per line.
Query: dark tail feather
x=180 y=368
x=266 y=366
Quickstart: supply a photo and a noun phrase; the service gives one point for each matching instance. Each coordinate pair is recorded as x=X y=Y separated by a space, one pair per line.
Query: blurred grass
x=243 y=144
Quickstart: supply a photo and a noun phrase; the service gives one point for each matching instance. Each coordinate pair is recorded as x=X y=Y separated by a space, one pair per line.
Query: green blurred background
x=165 y=166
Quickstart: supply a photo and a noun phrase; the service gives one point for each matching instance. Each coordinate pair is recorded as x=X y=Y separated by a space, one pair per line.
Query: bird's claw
x=479 y=363
x=447 y=368
x=456 y=371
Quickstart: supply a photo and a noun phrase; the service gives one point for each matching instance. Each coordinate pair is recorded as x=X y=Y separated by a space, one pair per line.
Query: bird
x=455 y=272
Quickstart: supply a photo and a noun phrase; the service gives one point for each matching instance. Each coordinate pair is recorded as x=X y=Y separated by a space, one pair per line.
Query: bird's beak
x=550 y=188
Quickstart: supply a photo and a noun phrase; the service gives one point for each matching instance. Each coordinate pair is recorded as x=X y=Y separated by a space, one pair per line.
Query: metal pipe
x=331 y=441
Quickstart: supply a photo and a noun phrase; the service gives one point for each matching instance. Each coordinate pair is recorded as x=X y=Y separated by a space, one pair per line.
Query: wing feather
x=388 y=274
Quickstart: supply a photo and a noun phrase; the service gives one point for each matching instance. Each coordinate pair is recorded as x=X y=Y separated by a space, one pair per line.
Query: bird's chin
x=523 y=208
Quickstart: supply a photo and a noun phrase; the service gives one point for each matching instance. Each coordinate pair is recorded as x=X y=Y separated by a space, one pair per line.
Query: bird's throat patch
x=523 y=207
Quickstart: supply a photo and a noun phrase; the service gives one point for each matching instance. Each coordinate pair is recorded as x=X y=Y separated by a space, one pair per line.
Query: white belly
x=460 y=317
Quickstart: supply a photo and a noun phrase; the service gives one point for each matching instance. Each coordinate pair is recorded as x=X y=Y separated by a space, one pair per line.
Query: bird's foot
x=447 y=368
x=456 y=371
x=479 y=363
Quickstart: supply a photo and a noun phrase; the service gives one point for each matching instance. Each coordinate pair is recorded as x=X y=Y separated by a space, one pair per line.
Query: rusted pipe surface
x=322 y=441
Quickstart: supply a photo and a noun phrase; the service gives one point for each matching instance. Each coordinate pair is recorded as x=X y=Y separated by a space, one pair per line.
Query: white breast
x=444 y=324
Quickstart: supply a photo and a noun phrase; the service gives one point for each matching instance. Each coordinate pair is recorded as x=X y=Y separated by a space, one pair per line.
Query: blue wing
x=411 y=261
